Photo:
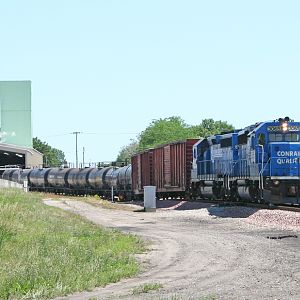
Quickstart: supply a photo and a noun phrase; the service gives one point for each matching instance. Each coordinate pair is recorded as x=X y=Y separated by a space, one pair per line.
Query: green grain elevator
x=15 y=113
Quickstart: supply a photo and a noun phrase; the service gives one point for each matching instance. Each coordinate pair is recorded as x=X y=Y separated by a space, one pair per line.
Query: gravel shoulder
x=225 y=253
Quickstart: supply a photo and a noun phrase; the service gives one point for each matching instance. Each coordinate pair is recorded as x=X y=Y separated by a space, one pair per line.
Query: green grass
x=46 y=252
x=145 y=288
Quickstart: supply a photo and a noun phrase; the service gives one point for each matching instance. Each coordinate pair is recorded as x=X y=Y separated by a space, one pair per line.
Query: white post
x=112 y=194
x=25 y=186
x=150 y=198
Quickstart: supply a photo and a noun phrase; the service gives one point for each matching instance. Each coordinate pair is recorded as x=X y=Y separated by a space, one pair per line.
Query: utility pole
x=83 y=157
x=76 y=134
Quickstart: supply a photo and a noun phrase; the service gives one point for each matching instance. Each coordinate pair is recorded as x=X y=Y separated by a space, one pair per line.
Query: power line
x=117 y=133
x=55 y=135
x=92 y=133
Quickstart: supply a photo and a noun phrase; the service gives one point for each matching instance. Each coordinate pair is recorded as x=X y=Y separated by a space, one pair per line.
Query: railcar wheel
x=187 y=196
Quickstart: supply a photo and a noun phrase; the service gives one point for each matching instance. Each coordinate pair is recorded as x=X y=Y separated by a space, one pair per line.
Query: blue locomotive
x=259 y=163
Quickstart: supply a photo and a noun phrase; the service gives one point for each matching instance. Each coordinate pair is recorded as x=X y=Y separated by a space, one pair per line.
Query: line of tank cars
x=260 y=163
x=74 y=181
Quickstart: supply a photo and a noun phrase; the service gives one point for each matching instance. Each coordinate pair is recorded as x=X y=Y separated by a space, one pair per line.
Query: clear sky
x=109 y=67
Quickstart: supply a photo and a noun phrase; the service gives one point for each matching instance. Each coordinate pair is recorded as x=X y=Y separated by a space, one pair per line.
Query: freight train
x=260 y=163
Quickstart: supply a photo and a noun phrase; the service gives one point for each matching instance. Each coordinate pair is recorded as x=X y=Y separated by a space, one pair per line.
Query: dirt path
x=195 y=255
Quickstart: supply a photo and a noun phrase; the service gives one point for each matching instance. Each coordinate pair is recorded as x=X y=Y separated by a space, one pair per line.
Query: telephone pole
x=83 y=157
x=76 y=134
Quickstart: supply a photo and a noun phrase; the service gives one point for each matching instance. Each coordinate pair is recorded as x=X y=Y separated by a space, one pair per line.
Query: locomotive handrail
x=233 y=165
x=264 y=166
x=212 y=167
x=224 y=168
x=261 y=182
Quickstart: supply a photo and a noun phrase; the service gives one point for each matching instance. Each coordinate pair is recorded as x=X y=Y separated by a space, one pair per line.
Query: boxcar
x=142 y=171
x=168 y=167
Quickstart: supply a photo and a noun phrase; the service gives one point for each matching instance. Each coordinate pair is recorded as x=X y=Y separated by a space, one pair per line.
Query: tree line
x=168 y=130
x=160 y=131
x=52 y=157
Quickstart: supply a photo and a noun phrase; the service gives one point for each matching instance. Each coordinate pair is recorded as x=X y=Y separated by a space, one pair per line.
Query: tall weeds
x=46 y=252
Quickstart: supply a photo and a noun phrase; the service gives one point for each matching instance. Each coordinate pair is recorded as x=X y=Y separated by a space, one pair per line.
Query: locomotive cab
x=278 y=159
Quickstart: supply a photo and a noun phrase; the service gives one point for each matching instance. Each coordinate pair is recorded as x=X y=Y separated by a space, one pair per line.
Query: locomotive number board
x=279 y=128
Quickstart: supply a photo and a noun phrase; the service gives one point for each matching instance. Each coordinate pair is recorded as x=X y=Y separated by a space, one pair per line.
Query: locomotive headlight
x=284 y=126
x=276 y=182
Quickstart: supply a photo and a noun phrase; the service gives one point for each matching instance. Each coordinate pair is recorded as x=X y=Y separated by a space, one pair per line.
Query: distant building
x=15 y=125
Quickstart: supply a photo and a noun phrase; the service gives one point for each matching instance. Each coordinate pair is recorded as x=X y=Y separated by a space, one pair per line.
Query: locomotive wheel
x=260 y=200
x=224 y=195
x=234 y=196
x=254 y=194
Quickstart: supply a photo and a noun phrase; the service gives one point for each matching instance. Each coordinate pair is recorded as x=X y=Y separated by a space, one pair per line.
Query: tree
x=127 y=151
x=52 y=157
x=210 y=127
x=163 y=131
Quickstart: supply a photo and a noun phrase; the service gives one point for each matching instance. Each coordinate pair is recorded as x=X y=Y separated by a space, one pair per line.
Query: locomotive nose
x=285 y=160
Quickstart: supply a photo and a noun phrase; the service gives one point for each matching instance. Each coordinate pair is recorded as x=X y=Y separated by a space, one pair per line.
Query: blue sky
x=110 y=67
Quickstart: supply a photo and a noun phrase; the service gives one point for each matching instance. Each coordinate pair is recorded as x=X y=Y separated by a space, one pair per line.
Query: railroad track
x=286 y=207
x=225 y=203
x=295 y=207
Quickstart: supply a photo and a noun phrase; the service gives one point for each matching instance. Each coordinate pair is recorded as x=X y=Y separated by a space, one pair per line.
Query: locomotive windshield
x=284 y=137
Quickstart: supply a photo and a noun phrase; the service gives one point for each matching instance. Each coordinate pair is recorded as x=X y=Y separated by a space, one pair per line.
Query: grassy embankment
x=46 y=252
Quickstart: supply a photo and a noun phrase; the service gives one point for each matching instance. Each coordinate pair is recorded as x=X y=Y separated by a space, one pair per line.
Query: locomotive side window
x=272 y=137
x=226 y=142
x=275 y=137
x=262 y=139
x=294 y=137
x=242 y=139
x=204 y=147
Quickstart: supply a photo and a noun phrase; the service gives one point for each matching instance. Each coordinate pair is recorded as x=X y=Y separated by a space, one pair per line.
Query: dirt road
x=196 y=255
